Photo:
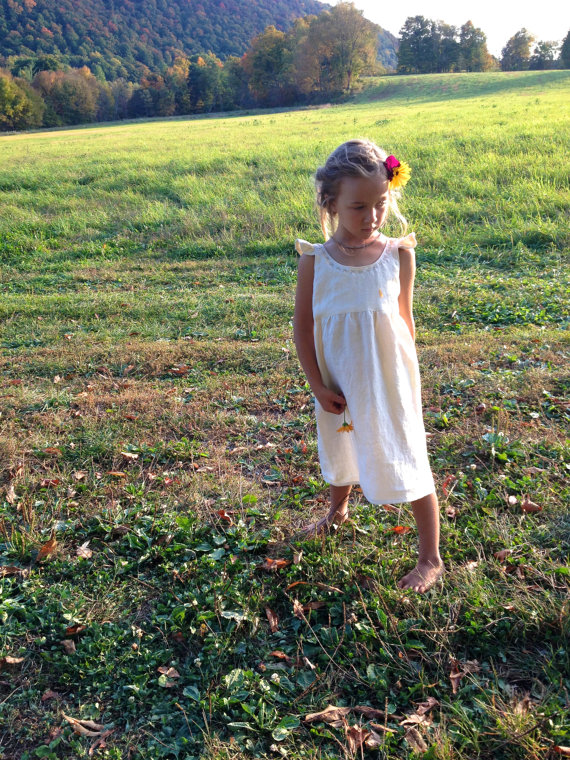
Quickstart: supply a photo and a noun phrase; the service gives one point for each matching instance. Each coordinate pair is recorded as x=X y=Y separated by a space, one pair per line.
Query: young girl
x=354 y=333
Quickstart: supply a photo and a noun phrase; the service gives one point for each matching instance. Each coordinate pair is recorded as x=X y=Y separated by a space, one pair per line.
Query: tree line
x=428 y=46
x=319 y=58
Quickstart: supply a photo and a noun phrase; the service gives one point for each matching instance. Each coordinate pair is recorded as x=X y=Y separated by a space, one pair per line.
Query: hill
x=120 y=35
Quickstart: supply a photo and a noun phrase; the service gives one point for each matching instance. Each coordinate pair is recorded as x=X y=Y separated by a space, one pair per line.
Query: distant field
x=151 y=404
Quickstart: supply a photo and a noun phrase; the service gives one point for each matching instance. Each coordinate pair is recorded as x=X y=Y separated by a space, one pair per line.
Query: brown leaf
x=414 y=719
x=313 y=606
x=298 y=609
x=11 y=493
x=69 y=646
x=330 y=715
x=564 y=751
x=49 y=694
x=450 y=479
x=10 y=662
x=224 y=515
x=6 y=570
x=84 y=727
x=390 y=508
x=49 y=482
x=424 y=707
x=129 y=456
x=369 y=712
x=80 y=474
x=169 y=672
x=53 y=450
x=324 y=586
x=297 y=556
x=117 y=474
x=49 y=547
x=100 y=742
x=455 y=676
x=73 y=630
x=471 y=566
x=502 y=554
x=380 y=727
x=400 y=529
x=415 y=740
x=83 y=551
x=281 y=656
x=273 y=620
x=450 y=511
x=356 y=736
x=119 y=530
x=373 y=740
x=272 y=565
x=529 y=506
x=308 y=663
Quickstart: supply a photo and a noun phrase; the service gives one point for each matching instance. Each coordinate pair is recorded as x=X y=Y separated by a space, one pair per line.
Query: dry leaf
x=73 y=630
x=400 y=529
x=129 y=455
x=273 y=620
x=49 y=694
x=298 y=609
x=324 y=586
x=84 y=552
x=356 y=736
x=169 y=672
x=11 y=493
x=308 y=663
x=471 y=566
x=447 y=482
x=373 y=740
x=455 y=676
x=380 y=727
x=49 y=547
x=224 y=515
x=52 y=450
x=424 y=707
x=529 y=506
x=564 y=751
x=116 y=474
x=80 y=474
x=390 y=508
x=6 y=570
x=332 y=714
x=415 y=740
x=100 y=742
x=415 y=719
x=502 y=555
x=84 y=727
x=313 y=606
x=297 y=556
x=119 y=530
x=69 y=646
x=10 y=662
x=369 y=712
x=49 y=482
x=281 y=656
x=450 y=511
x=274 y=564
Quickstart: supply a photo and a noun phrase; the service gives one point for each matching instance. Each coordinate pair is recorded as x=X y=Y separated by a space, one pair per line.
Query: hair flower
x=399 y=172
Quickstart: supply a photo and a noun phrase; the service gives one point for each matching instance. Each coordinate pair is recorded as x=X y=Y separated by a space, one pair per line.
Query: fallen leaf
x=49 y=547
x=415 y=740
x=564 y=751
x=369 y=712
x=400 y=529
x=331 y=714
x=356 y=736
x=128 y=455
x=313 y=606
x=69 y=646
x=274 y=564
x=84 y=727
x=450 y=511
x=324 y=586
x=298 y=609
x=273 y=620
x=308 y=663
x=100 y=742
x=10 y=662
x=529 y=506
x=73 y=630
x=424 y=707
x=447 y=482
x=11 y=493
x=169 y=672
x=455 y=676
x=281 y=656
x=14 y=382
x=116 y=474
x=6 y=570
x=297 y=556
x=83 y=551
x=119 y=530
x=390 y=508
x=49 y=482
x=71 y=492
x=502 y=555
x=471 y=566
x=373 y=740
x=224 y=515
x=380 y=727
x=49 y=694
x=53 y=450
x=80 y=474
x=415 y=719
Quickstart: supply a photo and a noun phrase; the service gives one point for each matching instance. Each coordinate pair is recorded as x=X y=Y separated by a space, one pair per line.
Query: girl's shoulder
x=409 y=241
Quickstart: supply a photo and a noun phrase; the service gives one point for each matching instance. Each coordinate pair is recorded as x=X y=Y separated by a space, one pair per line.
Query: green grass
x=147 y=286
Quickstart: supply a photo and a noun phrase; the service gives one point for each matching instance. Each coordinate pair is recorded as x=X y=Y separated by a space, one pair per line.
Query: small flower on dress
x=346 y=427
x=380 y=293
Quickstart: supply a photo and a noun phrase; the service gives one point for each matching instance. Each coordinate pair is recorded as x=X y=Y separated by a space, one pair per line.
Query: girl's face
x=361 y=207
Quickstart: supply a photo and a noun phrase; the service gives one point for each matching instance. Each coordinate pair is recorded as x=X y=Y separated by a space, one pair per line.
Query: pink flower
x=391 y=163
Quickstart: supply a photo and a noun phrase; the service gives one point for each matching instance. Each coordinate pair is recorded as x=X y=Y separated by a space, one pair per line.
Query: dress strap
x=409 y=241
x=304 y=247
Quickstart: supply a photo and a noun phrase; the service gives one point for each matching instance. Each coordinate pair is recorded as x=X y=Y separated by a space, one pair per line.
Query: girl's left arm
x=406 y=297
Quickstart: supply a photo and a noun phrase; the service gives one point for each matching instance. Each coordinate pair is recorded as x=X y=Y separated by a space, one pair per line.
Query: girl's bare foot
x=422 y=577
x=327 y=524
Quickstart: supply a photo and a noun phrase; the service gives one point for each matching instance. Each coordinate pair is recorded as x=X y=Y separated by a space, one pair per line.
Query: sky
x=498 y=19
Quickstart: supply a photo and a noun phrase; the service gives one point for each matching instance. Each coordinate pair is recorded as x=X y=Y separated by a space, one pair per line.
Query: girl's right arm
x=303 y=332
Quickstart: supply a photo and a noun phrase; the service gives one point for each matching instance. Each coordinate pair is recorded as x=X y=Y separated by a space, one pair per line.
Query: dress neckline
x=362 y=267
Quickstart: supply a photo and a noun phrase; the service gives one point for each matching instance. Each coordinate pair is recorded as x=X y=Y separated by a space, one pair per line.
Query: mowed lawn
x=158 y=450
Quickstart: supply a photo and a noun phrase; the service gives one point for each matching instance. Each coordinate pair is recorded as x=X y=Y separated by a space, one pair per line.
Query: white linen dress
x=364 y=350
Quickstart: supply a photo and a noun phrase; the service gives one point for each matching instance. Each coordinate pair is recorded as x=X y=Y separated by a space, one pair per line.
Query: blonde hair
x=355 y=158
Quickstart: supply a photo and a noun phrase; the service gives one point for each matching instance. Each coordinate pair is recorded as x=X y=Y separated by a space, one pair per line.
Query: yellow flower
x=346 y=427
x=401 y=174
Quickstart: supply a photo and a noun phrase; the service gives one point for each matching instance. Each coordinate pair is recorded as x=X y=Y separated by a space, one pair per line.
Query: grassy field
x=158 y=447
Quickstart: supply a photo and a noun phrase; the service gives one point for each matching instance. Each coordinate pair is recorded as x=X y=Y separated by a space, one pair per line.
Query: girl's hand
x=332 y=402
